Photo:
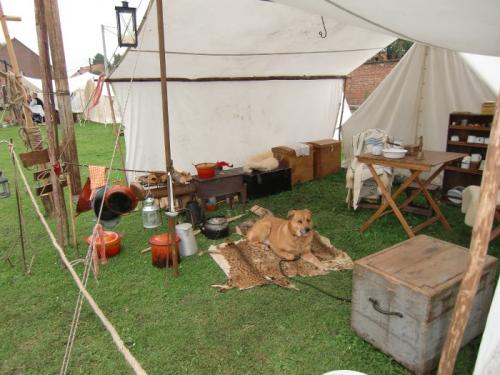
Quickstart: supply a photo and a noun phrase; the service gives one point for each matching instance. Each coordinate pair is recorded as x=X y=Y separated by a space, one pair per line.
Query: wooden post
x=72 y=214
x=478 y=250
x=57 y=190
x=14 y=64
x=166 y=129
x=69 y=151
x=47 y=85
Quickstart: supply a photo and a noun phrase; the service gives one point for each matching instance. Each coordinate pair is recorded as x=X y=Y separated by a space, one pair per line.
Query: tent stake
x=166 y=129
x=478 y=250
x=19 y=210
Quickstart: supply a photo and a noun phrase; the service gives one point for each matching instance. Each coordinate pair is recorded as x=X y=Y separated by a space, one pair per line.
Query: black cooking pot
x=215 y=227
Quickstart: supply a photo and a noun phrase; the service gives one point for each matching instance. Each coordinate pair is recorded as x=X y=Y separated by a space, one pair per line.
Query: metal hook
x=324 y=28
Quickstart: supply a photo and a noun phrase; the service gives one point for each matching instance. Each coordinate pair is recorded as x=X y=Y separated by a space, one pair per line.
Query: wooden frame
x=416 y=167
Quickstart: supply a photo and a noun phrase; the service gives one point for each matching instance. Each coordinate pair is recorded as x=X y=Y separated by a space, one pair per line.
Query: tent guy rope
x=120 y=345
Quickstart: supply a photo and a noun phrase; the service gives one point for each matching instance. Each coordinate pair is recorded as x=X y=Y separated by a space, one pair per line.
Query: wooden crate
x=302 y=166
x=326 y=157
x=417 y=281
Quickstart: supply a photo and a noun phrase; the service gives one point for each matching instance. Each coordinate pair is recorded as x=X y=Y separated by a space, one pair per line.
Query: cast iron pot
x=215 y=227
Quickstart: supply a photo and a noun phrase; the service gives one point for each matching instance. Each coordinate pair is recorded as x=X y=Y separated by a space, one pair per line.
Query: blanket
x=247 y=266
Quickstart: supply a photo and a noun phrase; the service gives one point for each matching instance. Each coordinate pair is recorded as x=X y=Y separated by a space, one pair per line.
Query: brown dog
x=288 y=239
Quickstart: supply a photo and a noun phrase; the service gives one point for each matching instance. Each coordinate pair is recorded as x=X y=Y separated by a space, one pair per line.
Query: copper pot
x=205 y=170
x=120 y=199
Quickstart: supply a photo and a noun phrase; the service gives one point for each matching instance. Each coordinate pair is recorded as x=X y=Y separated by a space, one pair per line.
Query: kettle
x=195 y=213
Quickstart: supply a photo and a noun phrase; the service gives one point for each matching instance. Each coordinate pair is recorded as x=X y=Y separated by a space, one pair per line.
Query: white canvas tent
x=211 y=41
x=417 y=97
x=82 y=88
x=244 y=76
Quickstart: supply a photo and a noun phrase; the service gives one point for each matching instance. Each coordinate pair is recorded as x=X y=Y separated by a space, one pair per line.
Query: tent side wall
x=224 y=120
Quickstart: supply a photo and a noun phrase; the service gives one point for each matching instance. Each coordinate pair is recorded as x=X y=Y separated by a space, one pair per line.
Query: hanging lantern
x=151 y=217
x=4 y=186
x=127 y=25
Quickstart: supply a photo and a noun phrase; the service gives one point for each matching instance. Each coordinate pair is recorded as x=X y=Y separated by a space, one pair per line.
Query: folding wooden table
x=430 y=160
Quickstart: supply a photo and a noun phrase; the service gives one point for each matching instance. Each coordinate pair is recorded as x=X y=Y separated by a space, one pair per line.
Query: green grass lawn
x=185 y=326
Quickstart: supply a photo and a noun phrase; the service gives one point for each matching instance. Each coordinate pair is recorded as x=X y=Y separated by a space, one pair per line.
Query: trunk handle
x=377 y=307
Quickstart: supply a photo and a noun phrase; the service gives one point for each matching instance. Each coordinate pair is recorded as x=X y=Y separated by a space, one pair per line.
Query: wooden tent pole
x=57 y=190
x=14 y=64
x=166 y=129
x=47 y=85
x=117 y=131
x=116 y=128
x=69 y=151
x=478 y=250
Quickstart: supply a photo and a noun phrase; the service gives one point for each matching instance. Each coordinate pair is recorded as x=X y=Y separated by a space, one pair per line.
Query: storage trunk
x=261 y=184
x=416 y=282
x=326 y=157
x=302 y=166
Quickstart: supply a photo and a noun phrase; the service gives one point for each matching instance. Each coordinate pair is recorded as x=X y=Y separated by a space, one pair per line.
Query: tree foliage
x=397 y=49
x=98 y=59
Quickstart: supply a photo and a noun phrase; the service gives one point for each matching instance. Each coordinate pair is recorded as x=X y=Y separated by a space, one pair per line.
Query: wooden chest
x=262 y=184
x=326 y=157
x=403 y=299
x=302 y=166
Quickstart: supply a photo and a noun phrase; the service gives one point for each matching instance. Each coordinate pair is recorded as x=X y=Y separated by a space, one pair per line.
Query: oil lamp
x=151 y=217
x=4 y=186
x=127 y=25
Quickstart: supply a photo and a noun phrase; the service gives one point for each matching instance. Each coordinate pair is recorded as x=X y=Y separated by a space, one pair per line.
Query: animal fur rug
x=247 y=266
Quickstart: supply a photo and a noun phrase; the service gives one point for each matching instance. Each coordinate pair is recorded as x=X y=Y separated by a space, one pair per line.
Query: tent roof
x=246 y=38
x=460 y=25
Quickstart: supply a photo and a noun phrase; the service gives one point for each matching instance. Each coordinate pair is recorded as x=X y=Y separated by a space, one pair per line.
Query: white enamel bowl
x=394 y=153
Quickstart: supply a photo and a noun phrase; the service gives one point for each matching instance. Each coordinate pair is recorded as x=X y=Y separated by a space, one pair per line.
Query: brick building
x=363 y=80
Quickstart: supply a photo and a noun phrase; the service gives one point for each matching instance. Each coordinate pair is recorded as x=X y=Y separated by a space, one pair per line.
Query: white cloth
x=301 y=149
x=488 y=358
x=470 y=203
x=37 y=109
x=223 y=120
x=358 y=172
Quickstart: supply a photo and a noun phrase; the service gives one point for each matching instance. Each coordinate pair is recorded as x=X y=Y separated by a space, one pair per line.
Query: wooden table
x=430 y=159
x=225 y=184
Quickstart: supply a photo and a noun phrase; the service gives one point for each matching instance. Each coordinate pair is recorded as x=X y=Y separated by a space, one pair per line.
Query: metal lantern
x=4 y=186
x=127 y=25
x=151 y=217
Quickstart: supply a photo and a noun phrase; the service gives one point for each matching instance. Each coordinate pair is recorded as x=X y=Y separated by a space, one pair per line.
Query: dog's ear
x=308 y=211
x=291 y=214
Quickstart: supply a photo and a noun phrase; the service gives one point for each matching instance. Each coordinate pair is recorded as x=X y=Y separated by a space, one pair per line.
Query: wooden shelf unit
x=463 y=125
